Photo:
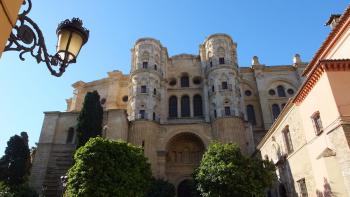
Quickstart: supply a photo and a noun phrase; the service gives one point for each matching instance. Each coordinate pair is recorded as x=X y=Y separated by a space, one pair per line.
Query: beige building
x=173 y=107
x=309 y=142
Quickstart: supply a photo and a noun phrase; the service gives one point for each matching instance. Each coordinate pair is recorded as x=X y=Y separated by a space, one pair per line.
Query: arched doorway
x=185 y=189
x=184 y=153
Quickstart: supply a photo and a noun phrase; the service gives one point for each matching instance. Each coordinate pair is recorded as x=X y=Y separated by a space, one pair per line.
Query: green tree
x=22 y=190
x=15 y=164
x=224 y=171
x=161 y=188
x=90 y=118
x=109 y=168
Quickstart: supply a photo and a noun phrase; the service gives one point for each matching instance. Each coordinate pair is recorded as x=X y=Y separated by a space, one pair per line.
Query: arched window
x=185 y=106
x=70 y=135
x=251 y=114
x=227 y=111
x=185 y=82
x=142 y=114
x=145 y=59
x=197 y=105
x=287 y=139
x=221 y=55
x=154 y=91
x=275 y=111
x=280 y=91
x=173 y=107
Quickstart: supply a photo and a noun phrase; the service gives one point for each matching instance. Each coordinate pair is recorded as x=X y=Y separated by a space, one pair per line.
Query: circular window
x=197 y=80
x=103 y=101
x=290 y=91
x=125 y=98
x=248 y=93
x=272 y=92
x=172 y=82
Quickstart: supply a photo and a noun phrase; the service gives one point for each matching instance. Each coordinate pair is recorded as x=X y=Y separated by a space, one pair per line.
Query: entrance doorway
x=185 y=189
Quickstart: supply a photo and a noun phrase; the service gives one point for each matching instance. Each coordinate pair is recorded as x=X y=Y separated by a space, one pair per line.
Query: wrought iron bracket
x=26 y=37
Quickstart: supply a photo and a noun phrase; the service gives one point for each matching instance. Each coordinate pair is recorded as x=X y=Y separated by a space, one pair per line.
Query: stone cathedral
x=173 y=106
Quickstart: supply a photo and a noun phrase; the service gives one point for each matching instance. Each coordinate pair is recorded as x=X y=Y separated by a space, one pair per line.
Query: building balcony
x=214 y=64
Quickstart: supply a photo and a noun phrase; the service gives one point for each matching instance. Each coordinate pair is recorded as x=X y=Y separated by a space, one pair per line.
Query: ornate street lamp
x=27 y=37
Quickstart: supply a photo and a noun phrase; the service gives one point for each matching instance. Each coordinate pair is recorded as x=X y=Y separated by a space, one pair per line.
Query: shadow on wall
x=327 y=190
x=284 y=186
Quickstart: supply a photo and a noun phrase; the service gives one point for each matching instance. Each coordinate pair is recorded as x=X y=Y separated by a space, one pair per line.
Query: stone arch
x=281 y=81
x=172 y=106
x=221 y=51
x=209 y=55
x=197 y=105
x=185 y=109
x=184 y=151
x=192 y=143
x=250 y=86
x=227 y=101
x=224 y=77
x=145 y=56
x=184 y=80
x=201 y=135
x=184 y=188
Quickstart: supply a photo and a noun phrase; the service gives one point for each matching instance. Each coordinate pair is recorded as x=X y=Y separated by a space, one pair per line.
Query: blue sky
x=274 y=30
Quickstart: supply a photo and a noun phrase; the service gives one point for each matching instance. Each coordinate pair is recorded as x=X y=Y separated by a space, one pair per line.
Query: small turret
x=145 y=79
x=255 y=61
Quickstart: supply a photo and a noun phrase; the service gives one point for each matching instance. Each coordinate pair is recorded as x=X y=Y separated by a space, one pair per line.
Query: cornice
x=342 y=25
x=315 y=75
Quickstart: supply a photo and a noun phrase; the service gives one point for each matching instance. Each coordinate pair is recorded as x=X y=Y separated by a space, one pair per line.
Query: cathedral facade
x=173 y=107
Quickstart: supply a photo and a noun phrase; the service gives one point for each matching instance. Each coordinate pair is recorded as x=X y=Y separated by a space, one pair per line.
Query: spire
x=296 y=59
x=255 y=61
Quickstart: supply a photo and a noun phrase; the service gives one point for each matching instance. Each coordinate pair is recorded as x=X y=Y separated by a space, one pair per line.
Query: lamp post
x=26 y=37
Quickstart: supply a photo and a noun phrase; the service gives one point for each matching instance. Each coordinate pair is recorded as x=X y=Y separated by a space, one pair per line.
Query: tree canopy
x=15 y=164
x=15 y=168
x=225 y=171
x=109 y=168
x=90 y=118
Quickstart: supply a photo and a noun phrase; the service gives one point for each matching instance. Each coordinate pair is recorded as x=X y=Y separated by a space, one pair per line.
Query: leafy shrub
x=109 y=168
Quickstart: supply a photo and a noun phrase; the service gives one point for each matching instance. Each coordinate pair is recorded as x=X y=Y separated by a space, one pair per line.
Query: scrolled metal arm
x=26 y=37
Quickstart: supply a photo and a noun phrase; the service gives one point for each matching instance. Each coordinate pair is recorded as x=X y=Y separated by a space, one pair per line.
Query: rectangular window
x=224 y=85
x=142 y=114
x=143 y=89
x=302 y=187
x=316 y=120
x=221 y=60
x=288 y=140
x=70 y=135
x=144 y=64
x=227 y=111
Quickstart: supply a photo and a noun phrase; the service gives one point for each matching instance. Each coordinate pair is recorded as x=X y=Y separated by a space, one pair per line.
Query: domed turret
x=148 y=67
x=219 y=60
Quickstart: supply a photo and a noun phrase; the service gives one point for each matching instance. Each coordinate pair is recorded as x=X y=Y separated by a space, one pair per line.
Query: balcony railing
x=144 y=116
x=142 y=90
x=148 y=91
x=225 y=88
x=228 y=113
x=140 y=67
x=215 y=63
